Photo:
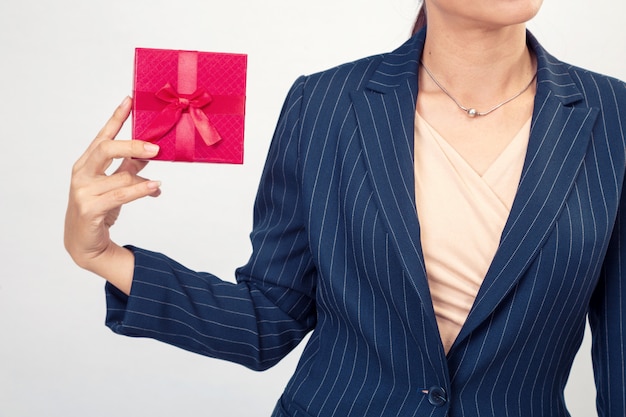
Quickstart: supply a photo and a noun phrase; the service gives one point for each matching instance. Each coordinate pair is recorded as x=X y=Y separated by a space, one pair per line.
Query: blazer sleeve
x=607 y=319
x=607 y=308
x=266 y=313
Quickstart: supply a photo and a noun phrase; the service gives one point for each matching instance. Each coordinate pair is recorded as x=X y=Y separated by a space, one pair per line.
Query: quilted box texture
x=192 y=104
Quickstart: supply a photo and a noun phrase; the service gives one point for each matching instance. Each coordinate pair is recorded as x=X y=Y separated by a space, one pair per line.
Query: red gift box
x=192 y=104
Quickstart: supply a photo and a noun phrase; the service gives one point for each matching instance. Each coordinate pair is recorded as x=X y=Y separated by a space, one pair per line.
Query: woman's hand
x=95 y=200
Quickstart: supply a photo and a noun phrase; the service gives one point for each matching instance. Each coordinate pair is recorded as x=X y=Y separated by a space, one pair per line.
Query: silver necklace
x=472 y=112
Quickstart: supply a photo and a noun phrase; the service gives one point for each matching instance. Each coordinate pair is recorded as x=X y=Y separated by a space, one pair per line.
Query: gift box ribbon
x=173 y=111
x=187 y=109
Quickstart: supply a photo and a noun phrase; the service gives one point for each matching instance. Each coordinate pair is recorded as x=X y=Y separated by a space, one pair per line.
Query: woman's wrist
x=116 y=265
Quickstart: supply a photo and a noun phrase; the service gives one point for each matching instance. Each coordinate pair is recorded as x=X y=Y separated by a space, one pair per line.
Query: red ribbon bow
x=172 y=113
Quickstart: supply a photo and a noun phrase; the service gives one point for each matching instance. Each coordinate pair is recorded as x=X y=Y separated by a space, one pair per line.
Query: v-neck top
x=462 y=215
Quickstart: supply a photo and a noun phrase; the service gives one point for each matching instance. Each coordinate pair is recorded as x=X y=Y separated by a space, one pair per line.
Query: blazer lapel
x=385 y=111
x=559 y=138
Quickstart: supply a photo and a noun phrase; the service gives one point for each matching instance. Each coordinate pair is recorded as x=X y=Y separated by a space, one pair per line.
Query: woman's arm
x=607 y=319
x=262 y=317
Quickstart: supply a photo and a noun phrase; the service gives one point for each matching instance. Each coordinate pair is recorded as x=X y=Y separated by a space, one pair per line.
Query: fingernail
x=151 y=148
x=125 y=101
x=153 y=185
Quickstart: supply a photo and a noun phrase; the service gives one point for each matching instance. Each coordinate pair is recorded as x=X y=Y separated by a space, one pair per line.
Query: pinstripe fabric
x=336 y=250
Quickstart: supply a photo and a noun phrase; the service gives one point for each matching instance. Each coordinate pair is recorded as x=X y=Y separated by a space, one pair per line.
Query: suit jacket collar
x=559 y=137
x=400 y=67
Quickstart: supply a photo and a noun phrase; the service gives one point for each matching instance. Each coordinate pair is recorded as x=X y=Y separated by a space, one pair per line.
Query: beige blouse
x=462 y=215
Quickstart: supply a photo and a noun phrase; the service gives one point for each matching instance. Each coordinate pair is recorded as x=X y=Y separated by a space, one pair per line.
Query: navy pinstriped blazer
x=336 y=251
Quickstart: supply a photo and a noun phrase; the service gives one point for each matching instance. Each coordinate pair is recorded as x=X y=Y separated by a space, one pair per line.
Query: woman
x=512 y=161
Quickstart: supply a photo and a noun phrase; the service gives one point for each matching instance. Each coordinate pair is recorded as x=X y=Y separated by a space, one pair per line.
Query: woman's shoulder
x=584 y=78
x=554 y=65
x=347 y=76
x=564 y=78
x=604 y=92
x=357 y=74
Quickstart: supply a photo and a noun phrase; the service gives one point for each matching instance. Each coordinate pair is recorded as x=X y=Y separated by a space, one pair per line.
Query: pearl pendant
x=472 y=112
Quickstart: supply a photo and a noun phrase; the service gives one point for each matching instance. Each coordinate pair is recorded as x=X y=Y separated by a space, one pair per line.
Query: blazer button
x=437 y=396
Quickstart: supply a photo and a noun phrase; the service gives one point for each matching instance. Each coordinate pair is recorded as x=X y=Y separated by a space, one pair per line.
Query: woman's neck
x=478 y=65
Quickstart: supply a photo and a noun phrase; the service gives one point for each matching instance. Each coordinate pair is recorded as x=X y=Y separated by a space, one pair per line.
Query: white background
x=64 y=66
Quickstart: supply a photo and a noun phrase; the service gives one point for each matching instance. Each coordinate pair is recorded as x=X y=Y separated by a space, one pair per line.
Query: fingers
x=113 y=126
x=120 y=179
x=92 y=202
x=105 y=152
x=133 y=166
x=110 y=130
x=116 y=197
x=89 y=179
x=103 y=149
